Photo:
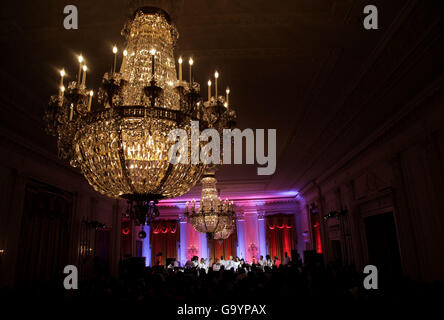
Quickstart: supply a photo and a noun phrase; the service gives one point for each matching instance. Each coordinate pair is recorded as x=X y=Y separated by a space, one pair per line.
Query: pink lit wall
x=251 y=236
x=192 y=242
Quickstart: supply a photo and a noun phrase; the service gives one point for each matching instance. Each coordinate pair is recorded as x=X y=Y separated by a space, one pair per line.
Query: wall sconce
x=335 y=214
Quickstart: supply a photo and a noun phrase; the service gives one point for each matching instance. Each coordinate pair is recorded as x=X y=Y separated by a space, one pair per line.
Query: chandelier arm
x=122 y=162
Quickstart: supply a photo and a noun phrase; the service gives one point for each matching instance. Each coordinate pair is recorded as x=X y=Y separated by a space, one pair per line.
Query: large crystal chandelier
x=121 y=142
x=214 y=216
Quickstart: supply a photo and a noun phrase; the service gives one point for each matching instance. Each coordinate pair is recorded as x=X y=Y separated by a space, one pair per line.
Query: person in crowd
x=158 y=259
x=269 y=262
x=261 y=263
x=297 y=261
x=286 y=259
x=277 y=262
x=229 y=264
x=222 y=261
x=202 y=265
x=334 y=283
x=236 y=263
x=210 y=263
x=243 y=265
x=194 y=262
x=216 y=265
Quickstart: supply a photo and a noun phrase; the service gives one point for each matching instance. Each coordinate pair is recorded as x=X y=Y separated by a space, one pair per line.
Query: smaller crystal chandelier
x=215 y=217
x=227 y=230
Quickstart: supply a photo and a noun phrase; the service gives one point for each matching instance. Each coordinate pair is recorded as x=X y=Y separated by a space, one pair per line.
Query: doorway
x=382 y=244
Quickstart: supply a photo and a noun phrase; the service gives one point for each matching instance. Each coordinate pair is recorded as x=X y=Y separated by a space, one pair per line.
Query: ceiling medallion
x=120 y=141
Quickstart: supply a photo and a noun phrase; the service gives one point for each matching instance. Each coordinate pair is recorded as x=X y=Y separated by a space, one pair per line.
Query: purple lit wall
x=146 y=247
x=182 y=258
x=302 y=225
x=240 y=238
x=261 y=235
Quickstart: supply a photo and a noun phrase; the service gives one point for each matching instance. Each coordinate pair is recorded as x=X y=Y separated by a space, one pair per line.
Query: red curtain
x=281 y=235
x=225 y=248
x=164 y=235
x=317 y=237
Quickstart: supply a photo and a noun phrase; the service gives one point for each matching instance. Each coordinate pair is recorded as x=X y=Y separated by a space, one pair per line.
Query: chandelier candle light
x=91 y=93
x=228 y=97
x=80 y=59
x=209 y=90
x=62 y=75
x=121 y=142
x=180 y=70
x=216 y=76
x=191 y=61
x=84 y=74
x=62 y=92
x=62 y=87
x=115 y=59
x=125 y=53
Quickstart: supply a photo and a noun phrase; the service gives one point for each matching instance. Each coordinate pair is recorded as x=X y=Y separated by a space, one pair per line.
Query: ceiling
x=307 y=68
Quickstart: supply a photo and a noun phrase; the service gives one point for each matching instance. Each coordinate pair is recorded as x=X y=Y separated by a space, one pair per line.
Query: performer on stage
x=243 y=265
x=236 y=264
x=222 y=262
x=202 y=265
x=286 y=259
x=216 y=266
x=229 y=264
x=195 y=262
x=261 y=263
x=277 y=262
x=269 y=262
